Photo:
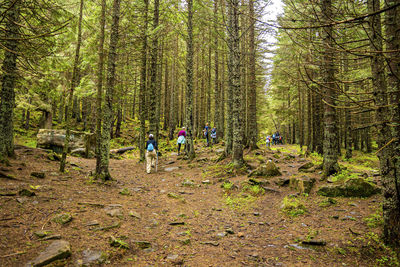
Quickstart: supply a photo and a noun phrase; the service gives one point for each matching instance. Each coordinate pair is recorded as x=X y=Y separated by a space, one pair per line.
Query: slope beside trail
x=185 y=219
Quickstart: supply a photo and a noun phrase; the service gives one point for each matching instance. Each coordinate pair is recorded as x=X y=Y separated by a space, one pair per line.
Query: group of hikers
x=152 y=148
x=275 y=139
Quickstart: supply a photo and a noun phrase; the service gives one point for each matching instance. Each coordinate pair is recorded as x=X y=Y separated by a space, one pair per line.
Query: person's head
x=183 y=128
x=151 y=136
x=206 y=123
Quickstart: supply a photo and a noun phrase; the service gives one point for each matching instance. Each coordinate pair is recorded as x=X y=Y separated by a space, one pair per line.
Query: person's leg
x=179 y=149
x=148 y=162
x=153 y=158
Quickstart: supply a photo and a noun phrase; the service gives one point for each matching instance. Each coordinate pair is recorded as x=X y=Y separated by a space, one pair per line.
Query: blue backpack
x=150 y=147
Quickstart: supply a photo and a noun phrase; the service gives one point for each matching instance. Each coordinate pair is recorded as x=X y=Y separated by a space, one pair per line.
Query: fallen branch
x=6 y=176
x=91 y=204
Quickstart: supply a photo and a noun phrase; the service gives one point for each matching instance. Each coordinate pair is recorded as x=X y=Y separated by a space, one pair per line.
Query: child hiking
x=181 y=139
x=151 y=153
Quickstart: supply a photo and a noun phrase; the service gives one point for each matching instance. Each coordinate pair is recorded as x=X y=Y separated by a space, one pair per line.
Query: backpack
x=150 y=147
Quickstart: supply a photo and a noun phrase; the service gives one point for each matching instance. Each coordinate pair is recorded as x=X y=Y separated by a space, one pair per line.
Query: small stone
x=171 y=169
x=26 y=192
x=350 y=218
x=335 y=217
x=223 y=234
x=21 y=200
x=92 y=223
x=134 y=214
x=39 y=175
x=185 y=241
x=92 y=257
x=229 y=231
x=42 y=233
x=256 y=213
x=172 y=257
x=177 y=223
x=206 y=182
x=213 y=243
x=51 y=237
x=59 y=249
x=114 y=242
x=142 y=244
x=115 y=213
x=240 y=234
x=62 y=218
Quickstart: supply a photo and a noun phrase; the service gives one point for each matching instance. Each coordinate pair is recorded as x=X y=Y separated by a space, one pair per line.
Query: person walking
x=214 y=135
x=206 y=133
x=181 y=139
x=268 y=141
x=151 y=153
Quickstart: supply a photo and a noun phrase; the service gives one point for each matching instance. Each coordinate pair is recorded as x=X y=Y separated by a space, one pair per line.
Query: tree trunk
x=8 y=80
x=143 y=79
x=217 y=89
x=330 y=164
x=153 y=73
x=189 y=89
x=74 y=82
x=104 y=173
x=99 y=85
x=391 y=203
x=234 y=83
x=252 y=130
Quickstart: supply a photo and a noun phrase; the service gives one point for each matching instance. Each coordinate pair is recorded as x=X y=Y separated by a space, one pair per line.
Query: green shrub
x=293 y=206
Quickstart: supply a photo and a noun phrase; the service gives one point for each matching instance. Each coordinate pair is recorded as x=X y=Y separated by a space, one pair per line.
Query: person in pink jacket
x=181 y=139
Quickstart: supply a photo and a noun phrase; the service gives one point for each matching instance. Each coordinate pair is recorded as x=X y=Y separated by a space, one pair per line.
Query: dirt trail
x=186 y=225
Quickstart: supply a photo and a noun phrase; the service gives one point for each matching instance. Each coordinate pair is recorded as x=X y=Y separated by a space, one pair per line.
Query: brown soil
x=263 y=235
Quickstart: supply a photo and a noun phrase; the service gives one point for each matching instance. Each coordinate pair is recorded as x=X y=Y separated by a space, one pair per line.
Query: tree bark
x=391 y=173
x=74 y=82
x=143 y=79
x=104 y=173
x=189 y=87
x=217 y=90
x=9 y=79
x=330 y=164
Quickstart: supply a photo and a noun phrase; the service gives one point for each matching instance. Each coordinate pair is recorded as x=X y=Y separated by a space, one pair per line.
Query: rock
x=142 y=244
x=172 y=257
x=357 y=187
x=314 y=242
x=222 y=234
x=134 y=214
x=171 y=169
x=42 y=233
x=51 y=237
x=79 y=152
x=282 y=181
x=188 y=183
x=92 y=257
x=26 y=193
x=213 y=243
x=303 y=184
x=93 y=223
x=39 y=175
x=266 y=170
x=114 y=242
x=53 y=156
x=240 y=234
x=55 y=139
x=62 y=218
x=59 y=249
x=206 y=182
x=125 y=192
x=177 y=223
x=115 y=213
x=229 y=231
x=254 y=181
x=21 y=200
x=348 y=218
x=185 y=241
x=291 y=246
x=271 y=190
x=305 y=167
x=256 y=213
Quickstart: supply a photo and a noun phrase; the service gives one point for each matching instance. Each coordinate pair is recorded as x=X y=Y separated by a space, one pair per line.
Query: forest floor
x=186 y=214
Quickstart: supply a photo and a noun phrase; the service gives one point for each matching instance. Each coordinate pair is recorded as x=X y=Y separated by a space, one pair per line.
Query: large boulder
x=55 y=139
x=266 y=170
x=357 y=187
x=302 y=184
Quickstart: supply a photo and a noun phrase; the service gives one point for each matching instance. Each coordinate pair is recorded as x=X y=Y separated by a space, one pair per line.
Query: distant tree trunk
x=153 y=73
x=300 y=116
x=252 y=130
x=347 y=115
x=217 y=89
x=173 y=114
x=104 y=173
x=234 y=83
x=330 y=164
x=9 y=79
x=309 y=122
x=119 y=121
x=223 y=105
x=74 y=82
x=243 y=66
x=167 y=96
x=189 y=89
x=391 y=203
x=99 y=85
x=317 y=120
x=158 y=94
x=27 y=119
x=143 y=77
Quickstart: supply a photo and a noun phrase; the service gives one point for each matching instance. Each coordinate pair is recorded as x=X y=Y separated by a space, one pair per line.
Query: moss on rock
x=357 y=187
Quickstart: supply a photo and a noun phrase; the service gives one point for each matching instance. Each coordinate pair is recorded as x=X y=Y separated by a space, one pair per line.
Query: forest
x=276 y=138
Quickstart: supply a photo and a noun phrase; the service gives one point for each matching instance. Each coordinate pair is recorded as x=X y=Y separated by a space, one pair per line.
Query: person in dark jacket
x=151 y=153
